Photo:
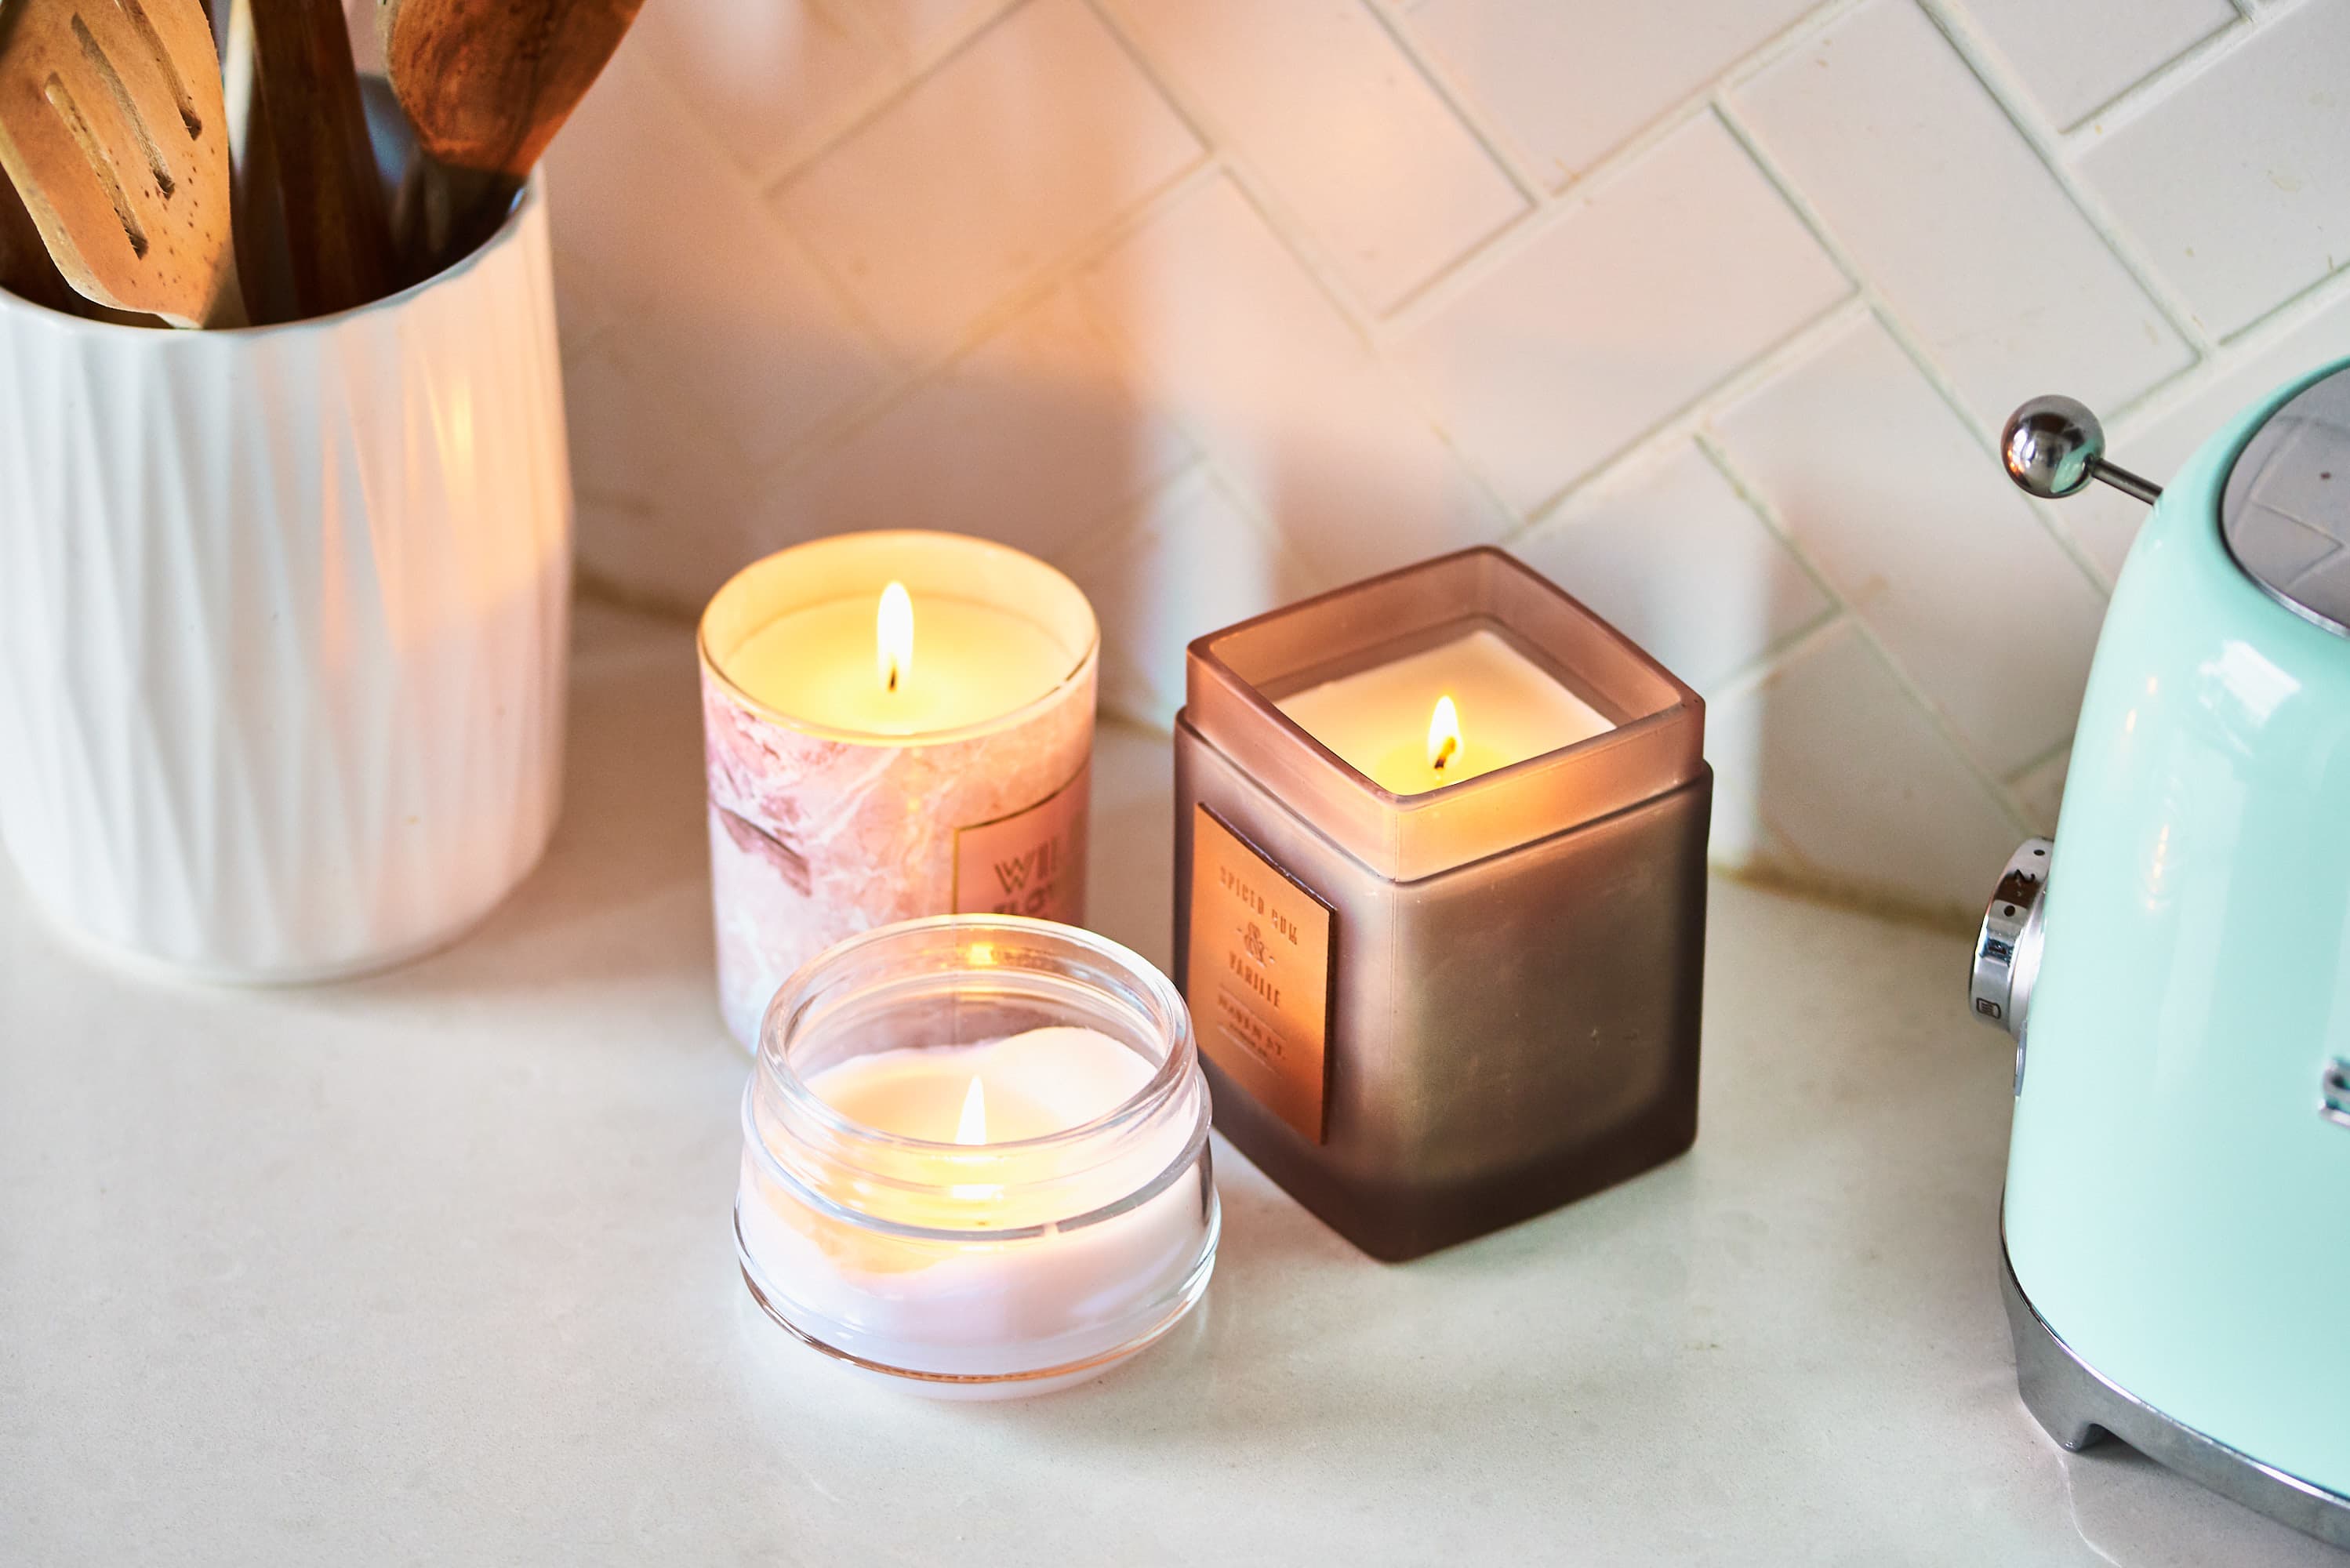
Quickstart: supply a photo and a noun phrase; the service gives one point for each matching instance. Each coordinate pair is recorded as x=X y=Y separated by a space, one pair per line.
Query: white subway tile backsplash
x=1915 y=526
x=1030 y=439
x=1217 y=303
x=1227 y=332
x=1828 y=761
x=1347 y=129
x=2237 y=181
x=2040 y=791
x=1679 y=562
x=1191 y=562
x=1003 y=161
x=644 y=471
x=924 y=27
x=769 y=80
x=1671 y=276
x=581 y=308
x=1924 y=182
x=1571 y=83
x=714 y=306
x=2155 y=443
x=2076 y=55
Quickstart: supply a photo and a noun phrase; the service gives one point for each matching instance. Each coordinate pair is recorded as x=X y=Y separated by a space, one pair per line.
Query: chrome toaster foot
x=2080 y=1408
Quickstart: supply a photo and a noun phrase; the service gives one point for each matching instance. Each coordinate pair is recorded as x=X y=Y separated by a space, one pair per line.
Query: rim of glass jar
x=1088 y=657
x=1109 y=1131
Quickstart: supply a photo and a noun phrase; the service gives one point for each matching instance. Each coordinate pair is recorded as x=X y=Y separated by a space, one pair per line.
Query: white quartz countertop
x=437 y=1266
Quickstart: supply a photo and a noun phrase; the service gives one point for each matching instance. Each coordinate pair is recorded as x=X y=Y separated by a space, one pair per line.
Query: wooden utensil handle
x=338 y=234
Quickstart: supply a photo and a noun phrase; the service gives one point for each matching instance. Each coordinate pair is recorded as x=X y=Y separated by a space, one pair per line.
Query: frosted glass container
x=969 y=1268
x=1431 y=1015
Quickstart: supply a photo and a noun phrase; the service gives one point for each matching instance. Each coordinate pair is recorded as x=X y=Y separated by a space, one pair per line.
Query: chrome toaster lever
x=2053 y=446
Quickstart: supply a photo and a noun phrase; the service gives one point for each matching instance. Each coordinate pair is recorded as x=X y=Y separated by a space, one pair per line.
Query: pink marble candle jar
x=855 y=782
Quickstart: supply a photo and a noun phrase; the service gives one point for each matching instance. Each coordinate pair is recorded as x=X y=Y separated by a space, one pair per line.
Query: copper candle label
x=1259 y=980
x=1032 y=862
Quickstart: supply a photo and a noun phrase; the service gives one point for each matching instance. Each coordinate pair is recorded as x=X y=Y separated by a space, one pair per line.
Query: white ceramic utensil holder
x=282 y=619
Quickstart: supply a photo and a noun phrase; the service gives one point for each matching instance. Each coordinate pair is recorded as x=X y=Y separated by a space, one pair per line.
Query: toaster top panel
x=2285 y=512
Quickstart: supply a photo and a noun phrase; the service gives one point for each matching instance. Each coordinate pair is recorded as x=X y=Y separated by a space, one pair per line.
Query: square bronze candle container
x=1431 y=1015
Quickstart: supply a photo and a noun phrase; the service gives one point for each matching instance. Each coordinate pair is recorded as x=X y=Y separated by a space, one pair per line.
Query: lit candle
x=1444 y=715
x=897 y=725
x=995 y=1215
x=1440 y=882
x=849 y=665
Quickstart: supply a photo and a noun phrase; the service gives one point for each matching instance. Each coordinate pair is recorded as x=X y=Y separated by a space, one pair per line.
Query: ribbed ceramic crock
x=283 y=620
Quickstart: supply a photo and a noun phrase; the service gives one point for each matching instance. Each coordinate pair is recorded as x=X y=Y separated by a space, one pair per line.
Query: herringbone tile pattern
x=1711 y=309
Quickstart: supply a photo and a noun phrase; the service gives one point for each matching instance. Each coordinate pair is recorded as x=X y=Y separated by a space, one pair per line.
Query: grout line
x=916 y=375
x=2150 y=90
x=2264 y=333
x=1679 y=424
x=1896 y=327
x=1995 y=787
x=1464 y=102
x=1794 y=36
x=1982 y=60
x=1529 y=189
x=2155 y=85
x=1782 y=655
x=1178 y=103
x=1291 y=231
x=1111 y=532
x=1421 y=399
x=909 y=75
x=2298 y=307
x=1578 y=187
x=761 y=199
x=2062 y=748
x=1466 y=272
x=1714 y=452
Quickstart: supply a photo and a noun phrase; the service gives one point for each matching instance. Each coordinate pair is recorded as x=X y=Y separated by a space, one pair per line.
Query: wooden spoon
x=111 y=128
x=488 y=83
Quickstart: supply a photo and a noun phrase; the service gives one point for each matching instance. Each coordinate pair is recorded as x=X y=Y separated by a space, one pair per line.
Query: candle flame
x=973 y=1128
x=893 y=637
x=1443 y=734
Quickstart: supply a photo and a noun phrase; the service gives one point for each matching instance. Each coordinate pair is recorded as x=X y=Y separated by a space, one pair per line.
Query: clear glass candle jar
x=976 y=1156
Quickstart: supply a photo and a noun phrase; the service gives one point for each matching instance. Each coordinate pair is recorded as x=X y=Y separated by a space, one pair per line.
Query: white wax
x=973 y=662
x=971 y=1307
x=1510 y=709
x=1043 y=1081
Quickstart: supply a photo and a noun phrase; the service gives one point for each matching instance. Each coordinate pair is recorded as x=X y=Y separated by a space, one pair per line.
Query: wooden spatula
x=110 y=126
x=25 y=269
x=488 y=83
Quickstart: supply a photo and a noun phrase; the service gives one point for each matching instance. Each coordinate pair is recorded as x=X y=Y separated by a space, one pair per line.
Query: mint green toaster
x=2175 y=969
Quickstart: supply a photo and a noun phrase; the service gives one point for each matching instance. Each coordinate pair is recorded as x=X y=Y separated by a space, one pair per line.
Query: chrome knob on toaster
x=2007 y=949
x=2053 y=446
